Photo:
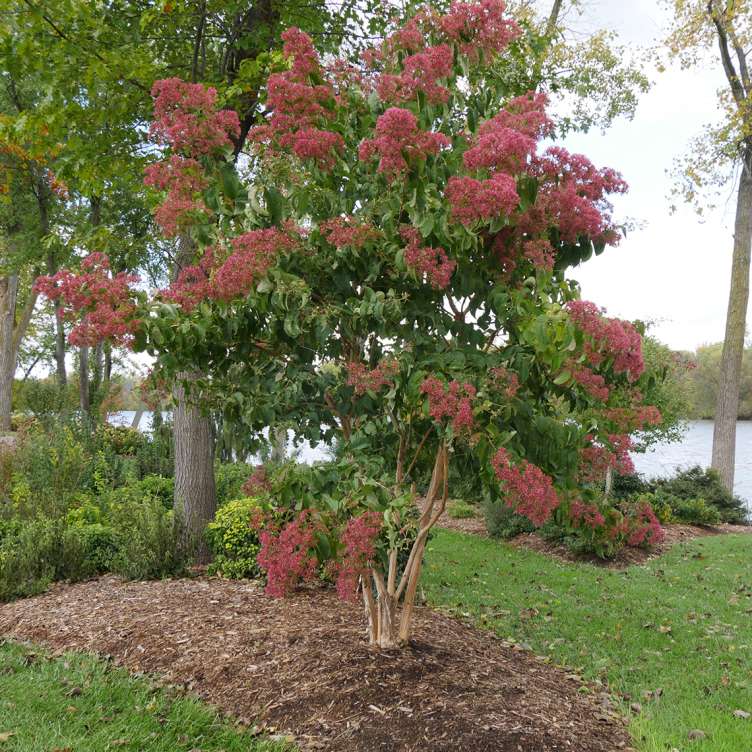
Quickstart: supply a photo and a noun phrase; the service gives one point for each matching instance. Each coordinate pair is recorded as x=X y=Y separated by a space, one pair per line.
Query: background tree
x=723 y=153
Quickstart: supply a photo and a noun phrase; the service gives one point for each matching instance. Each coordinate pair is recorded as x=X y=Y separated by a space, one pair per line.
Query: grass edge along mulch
x=53 y=700
x=301 y=665
x=627 y=557
x=669 y=637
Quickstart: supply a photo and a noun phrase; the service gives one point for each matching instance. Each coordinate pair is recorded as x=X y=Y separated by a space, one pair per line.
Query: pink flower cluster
x=539 y=253
x=374 y=380
x=635 y=418
x=258 y=483
x=288 y=556
x=527 y=489
x=420 y=73
x=589 y=515
x=359 y=541
x=399 y=142
x=433 y=263
x=645 y=527
x=572 y=197
x=593 y=383
x=251 y=256
x=479 y=27
x=348 y=231
x=609 y=339
x=299 y=107
x=506 y=381
x=453 y=400
x=186 y=118
x=478 y=200
x=597 y=458
x=499 y=147
x=103 y=300
x=184 y=180
x=253 y=253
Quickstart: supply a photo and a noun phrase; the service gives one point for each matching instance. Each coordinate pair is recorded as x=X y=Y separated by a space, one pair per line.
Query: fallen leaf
x=6 y=735
x=696 y=735
x=743 y=714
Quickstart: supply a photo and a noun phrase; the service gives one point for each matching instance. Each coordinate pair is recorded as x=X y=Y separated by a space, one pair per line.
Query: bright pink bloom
x=527 y=489
x=433 y=263
x=453 y=400
x=506 y=381
x=350 y=232
x=589 y=515
x=186 y=118
x=103 y=301
x=609 y=338
x=420 y=74
x=474 y=200
x=359 y=540
x=479 y=27
x=399 y=142
x=289 y=556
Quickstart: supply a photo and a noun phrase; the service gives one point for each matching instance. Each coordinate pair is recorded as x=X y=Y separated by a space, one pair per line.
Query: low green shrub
x=150 y=542
x=234 y=543
x=40 y=552
x=502 y=522
x=461 y=510
x=229 y=478
x=696 y=483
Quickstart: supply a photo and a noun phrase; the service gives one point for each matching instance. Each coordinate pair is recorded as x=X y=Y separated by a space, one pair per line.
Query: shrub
x=40 y=552
x=503 y=522
x=229 y=479
x=461 y=510
x=695 y=511
x=151 y=547
x=233 y=541
x=696 y=483
x=630 y=485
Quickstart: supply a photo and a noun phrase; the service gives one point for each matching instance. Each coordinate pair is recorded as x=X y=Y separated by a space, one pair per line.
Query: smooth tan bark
x=727 y=406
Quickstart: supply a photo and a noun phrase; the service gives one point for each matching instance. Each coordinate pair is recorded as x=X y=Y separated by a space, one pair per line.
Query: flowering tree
x=390 y=275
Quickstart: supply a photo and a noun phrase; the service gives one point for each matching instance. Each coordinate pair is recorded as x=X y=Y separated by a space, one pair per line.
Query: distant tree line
x=701 y=382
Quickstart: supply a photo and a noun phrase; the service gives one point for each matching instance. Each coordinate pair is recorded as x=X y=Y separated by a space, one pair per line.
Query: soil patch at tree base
x=302 y=666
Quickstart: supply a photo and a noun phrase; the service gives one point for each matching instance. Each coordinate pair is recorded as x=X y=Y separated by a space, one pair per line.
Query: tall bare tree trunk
x=8 y=292
x=195 y=492
x=60 y=373
x=13 y=326
x=727 y=406
x=83 y=381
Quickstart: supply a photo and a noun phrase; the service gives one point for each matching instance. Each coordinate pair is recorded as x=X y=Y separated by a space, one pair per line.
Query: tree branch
x=732 y=76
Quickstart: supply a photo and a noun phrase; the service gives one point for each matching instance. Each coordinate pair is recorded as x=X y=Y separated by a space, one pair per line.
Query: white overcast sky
x=675 y=270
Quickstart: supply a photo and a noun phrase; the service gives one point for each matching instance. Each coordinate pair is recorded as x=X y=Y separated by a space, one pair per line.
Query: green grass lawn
x=77 y=703
x=681 y=624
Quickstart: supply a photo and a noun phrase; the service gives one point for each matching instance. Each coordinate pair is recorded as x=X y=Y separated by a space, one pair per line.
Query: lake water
x=695 y=449
x=663 y=460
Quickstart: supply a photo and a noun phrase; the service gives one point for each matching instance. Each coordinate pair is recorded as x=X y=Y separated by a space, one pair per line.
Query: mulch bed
x=302 y=666
x=628 y=556
x=675 y=533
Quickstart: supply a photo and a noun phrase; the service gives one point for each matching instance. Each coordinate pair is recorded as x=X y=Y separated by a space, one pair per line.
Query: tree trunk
x=83 y=381
x=727 y=406
x=8 y=292
x=195 y=492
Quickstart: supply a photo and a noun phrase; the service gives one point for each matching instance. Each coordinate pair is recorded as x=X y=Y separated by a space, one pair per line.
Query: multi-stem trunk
x=727 y=406
x=382 y=596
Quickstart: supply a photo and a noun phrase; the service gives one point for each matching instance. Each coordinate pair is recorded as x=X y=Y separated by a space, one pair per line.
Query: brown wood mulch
x=302 y=666
x=675 y=533
x=628 y=556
